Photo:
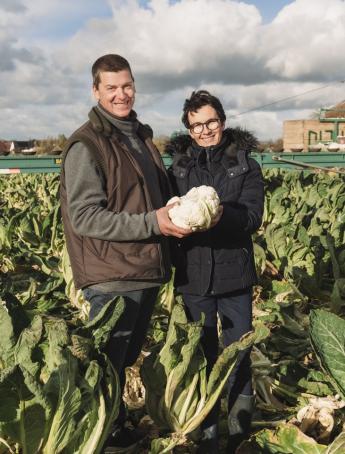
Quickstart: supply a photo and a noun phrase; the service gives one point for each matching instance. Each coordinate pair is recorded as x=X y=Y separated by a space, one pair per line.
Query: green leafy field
x=59 y=390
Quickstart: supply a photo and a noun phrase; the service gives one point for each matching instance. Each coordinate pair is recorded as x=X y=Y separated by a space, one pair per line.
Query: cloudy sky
x=249 y=53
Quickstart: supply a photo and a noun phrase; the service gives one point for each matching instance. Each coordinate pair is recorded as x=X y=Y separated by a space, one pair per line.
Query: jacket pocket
x=245 y=255
x=231 y=264
x=95 y=246
x=228 y=271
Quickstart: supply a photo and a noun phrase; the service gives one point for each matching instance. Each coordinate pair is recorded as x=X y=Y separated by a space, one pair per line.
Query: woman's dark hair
x=199 y=99
x=109 y=63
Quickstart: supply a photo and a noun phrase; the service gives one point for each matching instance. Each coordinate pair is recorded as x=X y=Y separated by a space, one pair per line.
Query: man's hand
x=166 y=227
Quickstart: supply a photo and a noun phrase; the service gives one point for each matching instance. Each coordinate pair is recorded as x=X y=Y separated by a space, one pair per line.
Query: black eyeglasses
x=212 y=125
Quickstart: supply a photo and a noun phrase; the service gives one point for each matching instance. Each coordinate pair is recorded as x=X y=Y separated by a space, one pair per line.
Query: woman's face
x=205 y=126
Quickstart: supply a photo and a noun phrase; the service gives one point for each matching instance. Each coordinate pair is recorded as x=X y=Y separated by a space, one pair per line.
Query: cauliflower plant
x=195 y=210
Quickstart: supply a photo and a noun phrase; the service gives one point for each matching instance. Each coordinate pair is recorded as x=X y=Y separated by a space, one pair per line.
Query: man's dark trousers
x=129 y=334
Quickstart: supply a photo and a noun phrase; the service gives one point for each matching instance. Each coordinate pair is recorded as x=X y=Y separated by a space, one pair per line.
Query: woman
x=215 y=269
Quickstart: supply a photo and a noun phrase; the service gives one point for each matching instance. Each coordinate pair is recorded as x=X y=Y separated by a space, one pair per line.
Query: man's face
x=116 y=92
x=205 y=126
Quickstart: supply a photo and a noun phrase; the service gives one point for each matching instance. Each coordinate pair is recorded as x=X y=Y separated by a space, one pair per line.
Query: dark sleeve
x=173 y=182
x=179 y=184
x=245 y=215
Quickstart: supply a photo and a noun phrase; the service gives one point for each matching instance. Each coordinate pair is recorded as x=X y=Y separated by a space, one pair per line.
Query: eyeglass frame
x=211 y=120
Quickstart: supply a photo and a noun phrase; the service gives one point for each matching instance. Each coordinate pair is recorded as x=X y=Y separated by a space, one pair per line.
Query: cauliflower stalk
x=195 y=210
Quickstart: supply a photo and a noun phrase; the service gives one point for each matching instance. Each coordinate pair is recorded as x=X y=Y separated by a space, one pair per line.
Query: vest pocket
x=95 y=246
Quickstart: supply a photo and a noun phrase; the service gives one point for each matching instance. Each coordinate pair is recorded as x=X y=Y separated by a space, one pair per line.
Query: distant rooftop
x=4 y=146
x=337 y=111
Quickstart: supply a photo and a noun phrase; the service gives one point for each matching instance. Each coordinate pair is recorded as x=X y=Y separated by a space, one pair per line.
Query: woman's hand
x=217 y=218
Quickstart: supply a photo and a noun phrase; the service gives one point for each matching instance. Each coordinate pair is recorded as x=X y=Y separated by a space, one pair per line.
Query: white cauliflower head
x=196 y=209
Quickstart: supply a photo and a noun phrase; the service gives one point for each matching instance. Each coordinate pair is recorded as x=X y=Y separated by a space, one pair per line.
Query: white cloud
x=305 y=41
x=174 y=48
x=170 y=44
x=265 y=125
x=41 y=121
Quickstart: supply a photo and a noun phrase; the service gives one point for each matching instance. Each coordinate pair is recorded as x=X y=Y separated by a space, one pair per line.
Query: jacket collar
x=238 y=138
x=105 y=127
x=233 y=152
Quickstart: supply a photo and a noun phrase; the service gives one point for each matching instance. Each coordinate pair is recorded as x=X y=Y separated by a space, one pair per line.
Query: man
x=113 y=191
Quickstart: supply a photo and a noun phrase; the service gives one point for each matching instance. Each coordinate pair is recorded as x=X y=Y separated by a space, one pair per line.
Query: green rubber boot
x=239 y=420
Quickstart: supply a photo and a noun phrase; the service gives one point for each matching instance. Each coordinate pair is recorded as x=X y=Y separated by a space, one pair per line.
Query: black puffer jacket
x=221 y=259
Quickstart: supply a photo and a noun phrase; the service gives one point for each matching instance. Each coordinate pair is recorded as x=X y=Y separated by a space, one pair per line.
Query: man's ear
x=95 y=92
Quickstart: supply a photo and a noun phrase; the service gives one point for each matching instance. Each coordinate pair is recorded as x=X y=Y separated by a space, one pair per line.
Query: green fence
x=47 y=164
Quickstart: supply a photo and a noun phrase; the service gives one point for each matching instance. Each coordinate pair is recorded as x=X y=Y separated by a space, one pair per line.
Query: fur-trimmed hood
x=232 y=153
x=236 y=139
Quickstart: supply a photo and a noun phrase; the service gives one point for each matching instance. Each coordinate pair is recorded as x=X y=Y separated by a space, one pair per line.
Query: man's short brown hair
x=109 y=63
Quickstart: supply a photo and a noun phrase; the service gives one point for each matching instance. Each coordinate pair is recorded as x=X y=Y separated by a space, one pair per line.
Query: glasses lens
x=198 y=128
x=212 y=124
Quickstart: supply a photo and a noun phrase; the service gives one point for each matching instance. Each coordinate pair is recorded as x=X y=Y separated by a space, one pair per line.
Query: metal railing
x=12 y=164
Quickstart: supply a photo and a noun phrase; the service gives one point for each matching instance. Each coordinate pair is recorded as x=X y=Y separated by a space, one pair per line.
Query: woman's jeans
x=128 y=336
x=235 y=312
